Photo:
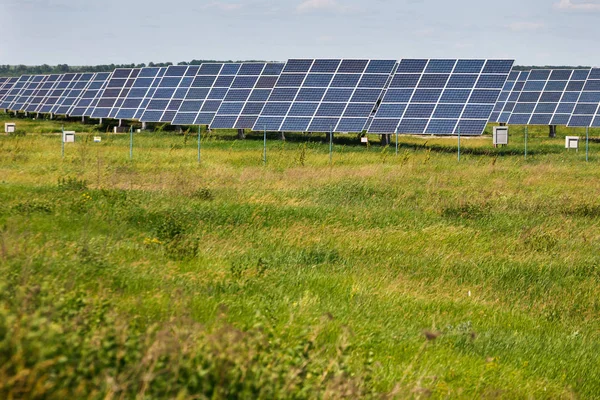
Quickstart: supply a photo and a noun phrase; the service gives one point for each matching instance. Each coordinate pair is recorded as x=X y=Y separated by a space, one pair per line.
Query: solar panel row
x=412 y=96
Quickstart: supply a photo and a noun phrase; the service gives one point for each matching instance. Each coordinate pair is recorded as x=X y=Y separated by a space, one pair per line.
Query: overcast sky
x=84 y=32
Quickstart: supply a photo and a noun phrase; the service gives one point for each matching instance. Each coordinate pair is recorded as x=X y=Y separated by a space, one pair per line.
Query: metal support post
x=131 y=142
x=265 y=146
x=526 y=137
x=199 y=138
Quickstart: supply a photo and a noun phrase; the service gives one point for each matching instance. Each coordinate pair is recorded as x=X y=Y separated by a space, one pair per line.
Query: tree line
x=45 y=69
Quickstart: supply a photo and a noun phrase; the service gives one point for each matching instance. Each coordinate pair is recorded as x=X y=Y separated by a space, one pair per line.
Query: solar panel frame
x=441 y=96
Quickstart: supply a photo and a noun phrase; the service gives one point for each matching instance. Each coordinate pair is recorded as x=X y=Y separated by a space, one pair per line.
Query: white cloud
x=593 y=5
x=321 y=5
x=525 y=26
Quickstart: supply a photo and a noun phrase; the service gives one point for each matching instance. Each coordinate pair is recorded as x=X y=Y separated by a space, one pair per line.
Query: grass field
x=409 y=276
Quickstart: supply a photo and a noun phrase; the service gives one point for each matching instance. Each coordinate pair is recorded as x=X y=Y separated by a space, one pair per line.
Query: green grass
x=159 y=277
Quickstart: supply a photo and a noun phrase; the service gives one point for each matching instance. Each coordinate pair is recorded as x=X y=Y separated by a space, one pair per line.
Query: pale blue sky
x=76 y=32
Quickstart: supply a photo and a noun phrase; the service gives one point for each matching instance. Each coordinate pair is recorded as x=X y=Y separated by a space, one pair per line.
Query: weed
x=72 y=183
x=34 y=206
x=204 y=194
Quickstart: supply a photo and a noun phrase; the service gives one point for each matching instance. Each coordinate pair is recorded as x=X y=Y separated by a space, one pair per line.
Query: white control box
x=69 y=136
x=572 y=142
x=10 y=127
x=500 y=135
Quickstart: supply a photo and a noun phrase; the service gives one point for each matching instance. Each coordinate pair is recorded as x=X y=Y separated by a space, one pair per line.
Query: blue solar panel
x=116 y=91
x=166 y=92
x=508 y=97
x=546 y=97
x=72 y=94
x=59 y=89
x=586 y=111
x=31 y=97
x=14 y=95
x=90 y=95
x=325 y=94
x=6 y=88
x=442 y=96
x=141 y=93
x=201 y=97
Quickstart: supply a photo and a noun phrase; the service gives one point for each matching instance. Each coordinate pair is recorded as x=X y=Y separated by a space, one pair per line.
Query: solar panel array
x=325 y=95
x=441 y=97
x=428 y=96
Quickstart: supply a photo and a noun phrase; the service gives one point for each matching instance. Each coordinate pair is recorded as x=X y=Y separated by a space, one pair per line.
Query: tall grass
x=387 y=276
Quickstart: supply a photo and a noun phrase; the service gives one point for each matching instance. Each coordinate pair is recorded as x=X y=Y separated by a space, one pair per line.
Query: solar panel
x=325 y=95
x=83 y=107
x=37 y=96
x=72 y=94
x=56 y=93
x=585 y=111
x=3 y=82
x=141 y=92
x=247 y=95
x=205 y=94
x=13 y=95
x=170 y=93
x=548 y=97
x=513 y=97
x=6 y=88
x=115 y=92
x=506 y=90
x=23 y=100
x=44 y=91
x=441 y=97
